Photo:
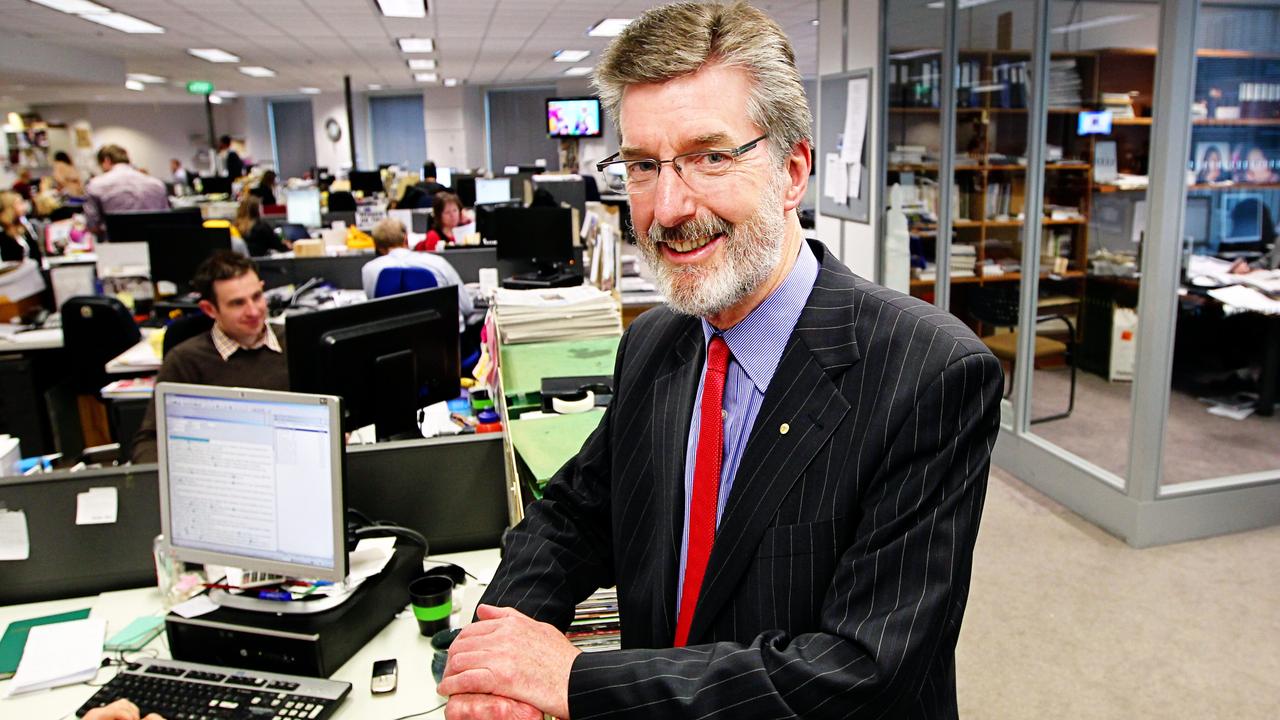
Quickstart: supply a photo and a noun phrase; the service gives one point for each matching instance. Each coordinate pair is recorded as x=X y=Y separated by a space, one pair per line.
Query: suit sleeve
x=893 y=608
x=562 y=551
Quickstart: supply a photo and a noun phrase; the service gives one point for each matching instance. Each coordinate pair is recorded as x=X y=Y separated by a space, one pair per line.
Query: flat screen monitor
x=573 y=117
x=1197 y=221
x=368 y=182
x=385 y=358
x=1241 y=223
x=464 y=186
x=135 y=226
x=1092 y=122
x=252 y=479
x=175 y=252
x=444 y=176
x=539 y=235
x=303 y=207
x=215 y=185
x=492 y=190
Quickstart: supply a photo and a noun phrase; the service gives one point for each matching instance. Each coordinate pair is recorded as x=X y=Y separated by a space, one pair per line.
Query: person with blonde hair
x=18 y=238
x=260 y=238
x=786 y=485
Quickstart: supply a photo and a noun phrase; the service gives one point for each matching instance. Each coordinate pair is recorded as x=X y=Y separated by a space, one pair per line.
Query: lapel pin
x=784 y=429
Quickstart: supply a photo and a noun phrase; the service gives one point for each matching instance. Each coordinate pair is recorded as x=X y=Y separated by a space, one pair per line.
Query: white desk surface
x=142 y=357
x=399 y=639
x=45 y=339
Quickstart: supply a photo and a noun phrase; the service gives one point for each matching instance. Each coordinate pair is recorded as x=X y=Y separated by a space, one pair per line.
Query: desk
x=45 y=339
x=142 y=358
x=399 y=639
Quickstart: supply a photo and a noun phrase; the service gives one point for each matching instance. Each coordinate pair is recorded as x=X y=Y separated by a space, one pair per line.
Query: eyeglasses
x=698 y=169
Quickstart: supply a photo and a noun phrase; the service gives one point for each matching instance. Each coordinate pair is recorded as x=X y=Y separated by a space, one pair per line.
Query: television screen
x=1094 y=123
x=573 y=117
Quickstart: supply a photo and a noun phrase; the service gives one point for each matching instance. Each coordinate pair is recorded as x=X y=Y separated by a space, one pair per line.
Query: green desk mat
x=524 y=366
x=545 y=444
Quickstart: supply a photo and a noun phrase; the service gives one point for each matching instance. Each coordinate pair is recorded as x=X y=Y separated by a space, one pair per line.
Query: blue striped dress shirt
x=755 y=344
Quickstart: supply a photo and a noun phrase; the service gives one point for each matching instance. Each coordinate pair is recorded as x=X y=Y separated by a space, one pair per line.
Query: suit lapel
x=674 y=393
x=803 y=395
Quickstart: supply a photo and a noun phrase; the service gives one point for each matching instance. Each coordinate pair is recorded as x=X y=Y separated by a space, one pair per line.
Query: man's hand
x=118 y=710
x=508 y=653
x=1240 y=268
x=489 y=707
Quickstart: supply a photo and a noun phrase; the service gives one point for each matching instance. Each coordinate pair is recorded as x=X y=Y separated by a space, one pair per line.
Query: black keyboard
x=191 y=691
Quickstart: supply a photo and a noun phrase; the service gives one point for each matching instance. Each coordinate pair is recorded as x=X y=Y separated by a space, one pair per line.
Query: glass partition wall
x=1040 y=214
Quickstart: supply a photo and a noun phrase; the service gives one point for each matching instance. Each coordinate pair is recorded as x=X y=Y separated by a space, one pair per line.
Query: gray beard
x=752 y=249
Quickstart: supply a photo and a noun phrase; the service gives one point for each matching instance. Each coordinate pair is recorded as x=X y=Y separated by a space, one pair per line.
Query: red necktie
x=706 y=484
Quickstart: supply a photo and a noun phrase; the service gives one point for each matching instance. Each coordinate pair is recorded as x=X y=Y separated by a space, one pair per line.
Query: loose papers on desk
x=58 y=654
x=556 y=314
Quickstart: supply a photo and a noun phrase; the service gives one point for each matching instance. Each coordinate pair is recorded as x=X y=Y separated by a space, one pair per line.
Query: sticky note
x=98 y=506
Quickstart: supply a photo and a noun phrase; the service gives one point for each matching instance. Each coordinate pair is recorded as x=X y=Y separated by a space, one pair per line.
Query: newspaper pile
x=567 y=313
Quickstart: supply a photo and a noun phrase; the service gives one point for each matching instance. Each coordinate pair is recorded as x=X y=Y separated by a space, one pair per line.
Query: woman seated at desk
x=446 y=214
x=257 y=234
x=18 y=240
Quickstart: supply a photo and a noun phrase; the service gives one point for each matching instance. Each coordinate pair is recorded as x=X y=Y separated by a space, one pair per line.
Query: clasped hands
x=508 y=666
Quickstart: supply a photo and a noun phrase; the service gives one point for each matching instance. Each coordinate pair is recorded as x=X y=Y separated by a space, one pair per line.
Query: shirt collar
x=758 y=340
x=226 y=346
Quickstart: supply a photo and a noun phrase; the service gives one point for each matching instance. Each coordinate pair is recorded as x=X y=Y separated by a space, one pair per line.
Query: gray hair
x=676 y=40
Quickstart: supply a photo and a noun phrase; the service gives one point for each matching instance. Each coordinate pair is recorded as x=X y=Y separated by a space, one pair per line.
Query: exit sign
x=200 y=87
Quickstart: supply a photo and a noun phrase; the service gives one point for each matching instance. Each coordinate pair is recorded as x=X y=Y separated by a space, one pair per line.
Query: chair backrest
x=342 y=201
x=185 y=328
x=995 y=305
x=95 y=329
x=396 y=280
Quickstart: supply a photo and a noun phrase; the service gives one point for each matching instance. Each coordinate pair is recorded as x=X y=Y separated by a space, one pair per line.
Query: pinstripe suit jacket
x=840 y=570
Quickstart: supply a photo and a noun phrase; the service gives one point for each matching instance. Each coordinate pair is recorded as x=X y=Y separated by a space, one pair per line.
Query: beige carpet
x=1065 y=621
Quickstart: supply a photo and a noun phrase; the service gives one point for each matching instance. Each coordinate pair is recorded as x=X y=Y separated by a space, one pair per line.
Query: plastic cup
x=432 y=601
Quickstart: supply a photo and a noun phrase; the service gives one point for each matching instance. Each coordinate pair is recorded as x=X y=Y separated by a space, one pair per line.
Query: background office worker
x=787 y=484
x=391 y=243
x=446 y=214
x=120 y=188
x=240 y=350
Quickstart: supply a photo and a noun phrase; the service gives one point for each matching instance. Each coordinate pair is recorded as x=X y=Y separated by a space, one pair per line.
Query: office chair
x=393 y=281
x=998 y=306
x=342 y=201
x=184 y=328
x=95 y=330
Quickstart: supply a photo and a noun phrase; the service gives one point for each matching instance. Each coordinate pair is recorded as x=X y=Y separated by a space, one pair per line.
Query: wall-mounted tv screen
x=573 y=117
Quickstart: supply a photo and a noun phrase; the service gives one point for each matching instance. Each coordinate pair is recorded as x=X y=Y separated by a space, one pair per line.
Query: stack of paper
x=556 y=314
x=59 y=654
x=964 y=260
x=1120 y=104
x=1064 y=84
x=596 y=625
x=130 y=388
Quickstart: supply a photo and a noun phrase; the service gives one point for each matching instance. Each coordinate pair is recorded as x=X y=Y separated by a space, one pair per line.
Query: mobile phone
x=384 y=677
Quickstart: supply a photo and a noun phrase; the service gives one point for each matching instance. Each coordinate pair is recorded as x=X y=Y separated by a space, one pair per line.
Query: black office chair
x=342 y=201
x=95 y=329
x=184 y=328
x=998 y=306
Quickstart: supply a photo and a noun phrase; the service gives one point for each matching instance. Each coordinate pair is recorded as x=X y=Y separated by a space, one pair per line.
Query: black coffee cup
x=432 y=600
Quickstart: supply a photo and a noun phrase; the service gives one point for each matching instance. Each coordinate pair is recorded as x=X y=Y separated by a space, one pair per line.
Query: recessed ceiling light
x=258 y=71
x=570 y=55
x=146 y=78
x=578 y=71
x=422 y=64
x=403 y=8
x=215 y=99
x=75 y=7
x=309 y=90
x=417 y=45
x=213 y=55
x=124 y=23
x=426 y=77
x=451 y=82
x=135 y=85
x=375 y=86
x=609 y=27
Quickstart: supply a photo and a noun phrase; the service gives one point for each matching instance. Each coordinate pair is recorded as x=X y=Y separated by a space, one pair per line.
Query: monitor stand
x=321 y=603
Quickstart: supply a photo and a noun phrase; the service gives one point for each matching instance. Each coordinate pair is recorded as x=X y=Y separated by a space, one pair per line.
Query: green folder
x=15 y=638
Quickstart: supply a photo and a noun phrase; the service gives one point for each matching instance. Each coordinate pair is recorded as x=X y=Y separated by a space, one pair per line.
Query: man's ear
x=798 y=164
x=208 y=309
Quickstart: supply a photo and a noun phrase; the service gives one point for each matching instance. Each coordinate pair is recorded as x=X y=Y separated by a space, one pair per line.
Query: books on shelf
x=1064 y=84
x=1120 y=104
x=547 y=314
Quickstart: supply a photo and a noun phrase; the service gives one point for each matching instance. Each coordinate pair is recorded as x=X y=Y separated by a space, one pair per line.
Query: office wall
x=293 y=130
x=256 y=133
x=397 y=125
x=330 y=154
x=446 y=126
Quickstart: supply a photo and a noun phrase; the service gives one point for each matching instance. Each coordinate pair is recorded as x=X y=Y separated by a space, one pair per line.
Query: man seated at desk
x=240 y=350
x=391 y=243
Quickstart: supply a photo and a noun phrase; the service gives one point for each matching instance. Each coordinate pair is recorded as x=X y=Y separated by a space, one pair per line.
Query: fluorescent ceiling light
x=146 y=78
x=1094 y=23
x=451 y=82
x=578 y=71
x=403 y=8
x=570 y=55
x=124 y=23
x=422 y=64
x=215 y=99
x=225 y=94
x=375 y=86
x=425 y=77
x=609 y=27
x=74 y=7
x=213 y=55
x=309 y=90
x=135 y=85
x=913 y=54
x=417 y=45
x=258 y=71
x=964 y=4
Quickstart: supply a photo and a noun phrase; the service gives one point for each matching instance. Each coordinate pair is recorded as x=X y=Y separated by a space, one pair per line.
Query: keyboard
x=192 y=691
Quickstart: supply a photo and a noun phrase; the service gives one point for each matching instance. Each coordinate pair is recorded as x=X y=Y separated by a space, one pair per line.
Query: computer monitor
x=492 y=190
x=1241 y=224
x=303 y=206
x=175 y=252
x=135 y=226
x=1093 y=122
x=368 y=182
x=252 y=479
x=386 y=358
x=444 y=176
x=573 y=117
x=215 y=185
x=568 y=189
x=464 y=186
x=539 y=235
x=1197 y=223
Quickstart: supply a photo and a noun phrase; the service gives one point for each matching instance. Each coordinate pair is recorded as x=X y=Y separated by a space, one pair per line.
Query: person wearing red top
x=446 y=214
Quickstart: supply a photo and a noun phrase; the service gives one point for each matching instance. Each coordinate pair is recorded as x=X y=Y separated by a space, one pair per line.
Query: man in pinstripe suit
x=787 y=486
